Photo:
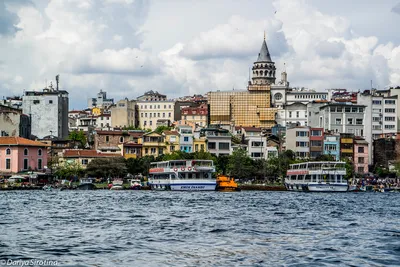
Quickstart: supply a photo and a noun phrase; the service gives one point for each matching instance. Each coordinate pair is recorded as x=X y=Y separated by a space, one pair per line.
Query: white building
x=151 y=113
x=48 y=111
x=298 y=140
x=292 y=114
x=101 y=101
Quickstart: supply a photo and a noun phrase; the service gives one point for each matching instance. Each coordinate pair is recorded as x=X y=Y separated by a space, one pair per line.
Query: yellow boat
x=226 y=184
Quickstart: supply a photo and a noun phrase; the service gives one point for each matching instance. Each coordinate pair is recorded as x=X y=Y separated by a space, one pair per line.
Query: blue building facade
x=186 y=138
x=332 y=146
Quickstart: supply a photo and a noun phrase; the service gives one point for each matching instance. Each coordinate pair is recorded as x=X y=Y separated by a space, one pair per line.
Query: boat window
x=314 y=178
x=308 y=177
x=300 y=177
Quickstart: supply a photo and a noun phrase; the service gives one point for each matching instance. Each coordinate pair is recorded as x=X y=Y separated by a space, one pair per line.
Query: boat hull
x=317 y=187
x=184 y=185
x=86 y=187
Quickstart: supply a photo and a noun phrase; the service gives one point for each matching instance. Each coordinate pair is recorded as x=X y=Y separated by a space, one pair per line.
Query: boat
x=226 y=184
x=136 y=184
x=182 y=175
x=320 y=176
x=47 y=187
x=117 y=184
x=86 y=184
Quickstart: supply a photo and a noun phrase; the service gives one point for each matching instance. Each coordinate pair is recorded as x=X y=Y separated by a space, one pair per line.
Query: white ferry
x=321 y=176
x=182 y=175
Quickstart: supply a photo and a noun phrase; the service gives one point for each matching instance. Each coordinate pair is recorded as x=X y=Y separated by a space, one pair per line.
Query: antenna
x=57 y=81
x=284 y=67
x=371 y=84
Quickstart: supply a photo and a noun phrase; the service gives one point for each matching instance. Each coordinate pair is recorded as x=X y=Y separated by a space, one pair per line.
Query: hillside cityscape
x=266 y=119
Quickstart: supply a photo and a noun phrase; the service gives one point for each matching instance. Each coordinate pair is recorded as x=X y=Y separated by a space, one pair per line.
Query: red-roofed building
x=18 y=154
x=197 y=115
x=83 y=157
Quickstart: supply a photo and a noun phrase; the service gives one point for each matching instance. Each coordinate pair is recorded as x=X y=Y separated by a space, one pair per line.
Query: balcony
x=346 y=140
x=315 y=148
x=347 y=150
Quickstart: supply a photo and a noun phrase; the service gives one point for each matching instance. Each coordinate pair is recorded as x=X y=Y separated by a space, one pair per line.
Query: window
x=338 y=121
x=297 y=114
x=169 y=106
x=360 y=149
x=390 y=110
x=107 y=138
x=202 y=147
x=160 y=151
x=330 y=147
x=376 y=127
x=150 y=114
x=359 y=121
x=390 y=102
x=8 y=164
x=39 y=164
x=376 y=102
x=154 y=115
x=146 y=151
x=376 y=119
x=333 y=109
x=361 y=110
x=316 y=133
x=301 y=144
x=25 y=164
x=360 y=159
x=347 y=109
x=144 y=123
x=172 y=148
x=349 y=120
x=316 y=143
x=390 y=118
x=152 y=150
x=302 y=133
x=360 y=169
x=36 y=102
x=224 y=146
x=339 y=109
x=290 y=114
x=151 y=106
x=389 y=127
x=84 y=161
x=145 y=114
x=150 y=123
x=50 y=101
x=158 y=115
x=354 y=109
x=121 y=139
x=211 y=145
x=169 y=115
x=186 y=139
x=196 y=147
x=39 y=152
x=163 y=115
x=8 y=151
x=278 y=96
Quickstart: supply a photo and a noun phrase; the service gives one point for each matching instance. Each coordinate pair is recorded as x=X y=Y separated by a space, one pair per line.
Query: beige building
x=155 y=113
x=197 y=115
x=251 y=107
x=124 y=114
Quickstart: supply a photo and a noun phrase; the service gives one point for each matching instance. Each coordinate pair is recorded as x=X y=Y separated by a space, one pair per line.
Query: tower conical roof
x=264 y=53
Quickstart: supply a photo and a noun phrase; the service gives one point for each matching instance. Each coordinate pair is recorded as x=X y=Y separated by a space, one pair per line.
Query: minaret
x=264 y=68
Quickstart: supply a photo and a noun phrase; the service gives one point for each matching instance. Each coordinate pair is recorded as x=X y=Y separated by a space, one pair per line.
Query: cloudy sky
x=183 y=47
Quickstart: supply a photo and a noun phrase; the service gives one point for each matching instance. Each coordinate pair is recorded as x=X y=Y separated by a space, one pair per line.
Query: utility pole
x=51 y=153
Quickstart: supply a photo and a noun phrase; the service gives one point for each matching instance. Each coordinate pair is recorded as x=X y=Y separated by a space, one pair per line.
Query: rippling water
x=248 y=228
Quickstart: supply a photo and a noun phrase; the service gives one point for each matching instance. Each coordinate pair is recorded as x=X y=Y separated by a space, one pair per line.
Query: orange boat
x=226 y=184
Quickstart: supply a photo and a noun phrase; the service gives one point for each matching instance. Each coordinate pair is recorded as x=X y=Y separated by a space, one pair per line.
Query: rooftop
x=75 y=153
x=19 y=141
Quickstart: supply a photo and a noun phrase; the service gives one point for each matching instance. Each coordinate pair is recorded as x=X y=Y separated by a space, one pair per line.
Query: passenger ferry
x=182 y=175
x=321 y=176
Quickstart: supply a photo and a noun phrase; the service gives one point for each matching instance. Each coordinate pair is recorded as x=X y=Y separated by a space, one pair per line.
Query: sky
x=186 y=47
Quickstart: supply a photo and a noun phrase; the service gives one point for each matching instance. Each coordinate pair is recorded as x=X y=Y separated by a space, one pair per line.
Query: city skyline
x=183 y=48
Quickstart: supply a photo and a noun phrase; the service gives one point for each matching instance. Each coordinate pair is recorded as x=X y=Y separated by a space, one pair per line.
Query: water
x=248 y=228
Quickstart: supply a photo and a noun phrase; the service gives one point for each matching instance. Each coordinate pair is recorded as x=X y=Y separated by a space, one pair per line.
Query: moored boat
x=320 y=176
x=182 y=175
x=86 y=184
x=117 y=184
x=226 y=184
x=136 y=184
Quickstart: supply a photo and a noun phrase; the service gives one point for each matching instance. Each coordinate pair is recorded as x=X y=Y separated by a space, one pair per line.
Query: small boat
x=136 y=184
x=117 y=184
x=47 y=187
x=86 y=184
x=226 y=184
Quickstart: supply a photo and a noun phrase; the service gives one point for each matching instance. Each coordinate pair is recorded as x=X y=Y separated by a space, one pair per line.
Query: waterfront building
x=251 y=107
x=132 y=149
x=197 y=115
x=294 y=114
x=316 y=142
x=219 y=141
x=107 y=141
x=19 y=154
x=332 y=145
x=298 y=140
x=48 y=111
x=199 y=142
x=360 y=156
x=153 y=144
x=337 y=117
x=185 y=138
x=124 y=114
x=82 y=157
x=100 y=101
x=172 y=141
x=347 y=146
x=14 y=123
x=154 y=113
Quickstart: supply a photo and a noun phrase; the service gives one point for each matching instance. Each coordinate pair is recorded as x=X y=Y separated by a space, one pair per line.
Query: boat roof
x=319 y=162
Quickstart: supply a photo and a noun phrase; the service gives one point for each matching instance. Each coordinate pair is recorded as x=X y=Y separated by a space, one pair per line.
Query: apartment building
x=218 y=141
x=155 y=113
x=332 y=145
x=197 y=115
x=185 y=138
x=360 y=156
x=316 y=142
x=124 y=114
x=298 y=140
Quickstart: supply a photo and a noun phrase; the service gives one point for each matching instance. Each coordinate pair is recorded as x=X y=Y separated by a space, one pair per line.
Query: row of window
x=338 y=121
x=310 y=96
x=347 y=109
x=193 y=117
x=212 y=145
x=26 y=152
x=297 y=114
x=333 y=147
x=154 y=106
x=154 y=115
x=26 y=164
x=387 y=102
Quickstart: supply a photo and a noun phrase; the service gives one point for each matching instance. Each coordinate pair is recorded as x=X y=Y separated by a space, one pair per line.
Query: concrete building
x=219 y=141
x=185 y=138
x=251 y=107
x=155 y=113
x=347 y=146
x=197 y=115
x=152 y=96
x=14 y=123
x=305 y=96
x=171 y=141
x=294 y=114
x=298 y=140
x=101 y=101
x=316 y=142
x=337 y=117
x=48 y=111
x=360 y=156
x=332 y=145
x=153 y=144
x=124 y=114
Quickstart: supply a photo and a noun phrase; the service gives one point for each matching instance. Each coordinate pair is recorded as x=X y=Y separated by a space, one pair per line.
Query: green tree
x=78 y=138
x=68 y=170
x=239 y=164
x=349 y=168
x=107 y=167
x=160 y=129
x=221 y=163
